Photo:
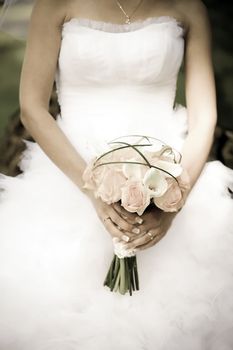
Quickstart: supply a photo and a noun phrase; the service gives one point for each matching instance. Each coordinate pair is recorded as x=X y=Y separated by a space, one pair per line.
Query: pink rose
x=174 y=198
x=109 y=190
x=135 y=197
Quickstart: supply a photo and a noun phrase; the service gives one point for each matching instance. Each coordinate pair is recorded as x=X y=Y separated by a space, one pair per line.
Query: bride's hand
x=116 y=223
x=154 y=228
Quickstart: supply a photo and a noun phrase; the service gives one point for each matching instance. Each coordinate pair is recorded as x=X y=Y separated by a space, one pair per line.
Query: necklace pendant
x=127 y=21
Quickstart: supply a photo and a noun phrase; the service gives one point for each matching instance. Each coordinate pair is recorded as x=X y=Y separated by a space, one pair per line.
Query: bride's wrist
x=86 y=191
x=89 y=194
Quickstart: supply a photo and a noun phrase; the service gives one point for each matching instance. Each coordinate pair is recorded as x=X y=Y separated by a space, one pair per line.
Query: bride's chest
x=150 y=54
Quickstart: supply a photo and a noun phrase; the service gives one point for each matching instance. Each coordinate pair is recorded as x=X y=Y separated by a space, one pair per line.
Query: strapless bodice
x=143 y=56
x=110 y=75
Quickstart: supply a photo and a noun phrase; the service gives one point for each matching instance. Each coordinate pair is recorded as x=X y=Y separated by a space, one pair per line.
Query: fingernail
x=116 y=239
x=139 y=220
x=119 y=228
x=125 y=217
x=125 y=238
x=136 y=230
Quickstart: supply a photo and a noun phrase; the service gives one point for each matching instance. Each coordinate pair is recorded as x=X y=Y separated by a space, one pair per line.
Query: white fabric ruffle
x=124 y=27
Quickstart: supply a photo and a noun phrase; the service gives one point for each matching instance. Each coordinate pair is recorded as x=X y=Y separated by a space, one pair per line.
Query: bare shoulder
x=53 y=10
x=194 y=12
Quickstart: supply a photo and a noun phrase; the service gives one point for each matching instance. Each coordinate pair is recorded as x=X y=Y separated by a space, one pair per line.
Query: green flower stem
x=116 y=273
x=142 y=136
x=132 y=275
x=136 y=150
x=129 y=275
x=126 y=162
x=136 y=274
x=111 y=268
x=117 y=265
x=122 y=276
x=148 y=139
x=109 y=274
x=118 y=148
x=117 y=281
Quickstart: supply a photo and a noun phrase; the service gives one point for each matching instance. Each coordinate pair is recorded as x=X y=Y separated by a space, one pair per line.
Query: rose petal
x=135 y=197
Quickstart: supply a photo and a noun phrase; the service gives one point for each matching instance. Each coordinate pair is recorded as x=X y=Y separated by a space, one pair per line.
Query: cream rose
x=135 y=197
x=109 y=190
x=174 y=198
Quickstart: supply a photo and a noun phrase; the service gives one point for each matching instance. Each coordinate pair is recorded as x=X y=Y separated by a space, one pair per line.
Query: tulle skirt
x=55 y=253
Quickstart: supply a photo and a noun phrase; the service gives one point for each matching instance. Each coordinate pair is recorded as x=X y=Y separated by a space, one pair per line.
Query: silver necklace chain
x=128 y=17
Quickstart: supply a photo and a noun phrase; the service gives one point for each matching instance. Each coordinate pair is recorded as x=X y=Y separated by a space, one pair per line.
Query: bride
x=115 y=64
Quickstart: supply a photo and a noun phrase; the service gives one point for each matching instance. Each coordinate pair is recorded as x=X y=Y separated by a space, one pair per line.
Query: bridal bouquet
x=137 y=171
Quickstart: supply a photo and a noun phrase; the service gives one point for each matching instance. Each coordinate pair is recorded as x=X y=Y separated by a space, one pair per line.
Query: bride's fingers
x=122 y=212
x=147 y=238
x=119 y=221
x=152 y=242
x=113 y=229
x=148 y=225
x=144 y=228
x=132 y=218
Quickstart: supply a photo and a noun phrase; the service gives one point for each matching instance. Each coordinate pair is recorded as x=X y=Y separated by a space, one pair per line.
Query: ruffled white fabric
x=55 y=252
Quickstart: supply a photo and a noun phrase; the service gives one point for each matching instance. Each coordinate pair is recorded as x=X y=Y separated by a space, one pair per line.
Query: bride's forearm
x=200 y=90
x=196 y=149
x=46 y=132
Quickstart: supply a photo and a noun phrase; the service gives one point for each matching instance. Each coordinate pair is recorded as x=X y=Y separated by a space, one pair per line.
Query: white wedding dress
x=114 y=80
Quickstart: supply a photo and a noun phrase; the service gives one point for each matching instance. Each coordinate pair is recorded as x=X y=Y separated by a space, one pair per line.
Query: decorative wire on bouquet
x=136 y=174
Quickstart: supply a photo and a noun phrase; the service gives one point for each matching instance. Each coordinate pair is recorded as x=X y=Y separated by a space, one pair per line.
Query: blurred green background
x=12 y=51
x=12 y=46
